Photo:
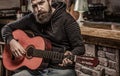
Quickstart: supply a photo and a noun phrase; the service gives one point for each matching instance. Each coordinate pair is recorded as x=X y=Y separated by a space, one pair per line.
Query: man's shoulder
x=25 y=19
x=30 y=15
x=68 y=17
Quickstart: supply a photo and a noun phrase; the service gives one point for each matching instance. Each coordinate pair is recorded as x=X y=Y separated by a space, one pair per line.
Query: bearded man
x=51 y=21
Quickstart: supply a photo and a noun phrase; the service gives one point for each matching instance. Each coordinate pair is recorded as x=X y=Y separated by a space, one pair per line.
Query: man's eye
x=34 y=6
x=40 y=3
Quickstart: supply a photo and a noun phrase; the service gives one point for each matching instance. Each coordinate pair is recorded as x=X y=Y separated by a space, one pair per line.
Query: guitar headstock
x=86 y=60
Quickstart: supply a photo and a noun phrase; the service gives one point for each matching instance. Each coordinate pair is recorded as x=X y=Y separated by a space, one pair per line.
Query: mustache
x=41 y=12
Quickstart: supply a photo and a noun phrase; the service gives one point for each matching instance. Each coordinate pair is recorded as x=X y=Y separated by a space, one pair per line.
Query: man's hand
x=16 y=49
x=66 y=61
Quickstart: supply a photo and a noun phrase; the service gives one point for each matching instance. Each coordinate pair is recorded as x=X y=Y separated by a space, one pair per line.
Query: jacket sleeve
x=75 y=38
x=6 y=30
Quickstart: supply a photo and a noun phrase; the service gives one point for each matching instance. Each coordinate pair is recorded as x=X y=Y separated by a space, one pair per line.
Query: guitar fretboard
x=48 y=54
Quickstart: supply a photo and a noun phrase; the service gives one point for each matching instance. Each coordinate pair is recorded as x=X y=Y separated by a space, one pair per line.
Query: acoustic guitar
x=36 y=50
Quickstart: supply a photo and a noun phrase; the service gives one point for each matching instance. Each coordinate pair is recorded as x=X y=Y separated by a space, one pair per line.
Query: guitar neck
x=48 y=54
x=91 y=61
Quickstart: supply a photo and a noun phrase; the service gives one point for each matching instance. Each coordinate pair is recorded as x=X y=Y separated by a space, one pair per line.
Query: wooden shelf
x=104 y=37
x=5 y=21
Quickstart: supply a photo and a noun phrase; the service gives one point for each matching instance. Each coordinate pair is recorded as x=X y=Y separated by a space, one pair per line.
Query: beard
x=43 y=16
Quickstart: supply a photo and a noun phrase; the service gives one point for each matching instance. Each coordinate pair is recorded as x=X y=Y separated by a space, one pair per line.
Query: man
x=52 y=22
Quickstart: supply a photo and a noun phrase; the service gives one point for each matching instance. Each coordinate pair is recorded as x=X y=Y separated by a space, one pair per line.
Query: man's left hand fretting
x=66 y=61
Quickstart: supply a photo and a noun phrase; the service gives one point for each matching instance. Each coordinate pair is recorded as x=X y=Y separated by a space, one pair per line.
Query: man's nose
x=39 y=7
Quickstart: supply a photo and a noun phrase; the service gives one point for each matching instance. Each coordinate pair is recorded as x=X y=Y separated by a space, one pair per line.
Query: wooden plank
x=5 y=21
x=2 y=43
x=101 y=41
x=9 y=4
x=102 y=33
x=108 y=38
x=102 y=25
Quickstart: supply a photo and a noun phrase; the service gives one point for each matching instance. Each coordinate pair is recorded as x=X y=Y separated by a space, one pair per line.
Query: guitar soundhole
x=29 y=51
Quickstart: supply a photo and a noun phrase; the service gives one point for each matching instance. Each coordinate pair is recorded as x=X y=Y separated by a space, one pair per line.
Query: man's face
x=42 y=10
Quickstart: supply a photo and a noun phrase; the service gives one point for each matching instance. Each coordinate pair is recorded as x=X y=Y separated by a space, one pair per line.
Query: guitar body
x=12 y=63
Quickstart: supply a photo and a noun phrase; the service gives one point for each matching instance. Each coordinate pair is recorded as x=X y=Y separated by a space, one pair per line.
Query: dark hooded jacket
x=62 y=30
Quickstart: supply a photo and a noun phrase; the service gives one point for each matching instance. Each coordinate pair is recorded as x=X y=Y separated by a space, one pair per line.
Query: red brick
x=111 y=56
x=112 y=64
x=111 y=50
x=90 y=50
x=77 y=66
x=99 y=68
x=103 y=61
x=101 y=53
x=110 y=72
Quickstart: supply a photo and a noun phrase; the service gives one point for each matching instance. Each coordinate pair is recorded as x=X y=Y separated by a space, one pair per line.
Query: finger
x=67 y=53
x=15 y=53
x=69 y=61
x=22 y=50
x=65 y=61
x=19 y=53
x=60 y=64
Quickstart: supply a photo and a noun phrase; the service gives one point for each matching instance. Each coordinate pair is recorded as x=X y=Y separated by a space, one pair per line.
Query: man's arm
x=15 y=47
x=76 y=42
x=7 y=30
x=75 y=38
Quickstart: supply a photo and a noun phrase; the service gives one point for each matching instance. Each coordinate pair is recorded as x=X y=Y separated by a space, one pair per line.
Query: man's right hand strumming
x=16 y=48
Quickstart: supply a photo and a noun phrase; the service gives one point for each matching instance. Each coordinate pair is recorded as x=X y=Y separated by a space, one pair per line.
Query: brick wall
x=108 y=62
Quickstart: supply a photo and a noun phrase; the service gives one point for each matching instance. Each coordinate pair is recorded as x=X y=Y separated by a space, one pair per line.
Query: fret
x=56 y=56
x=50 y=55
x=53 y=55
x=46 y=54
x=61 y=56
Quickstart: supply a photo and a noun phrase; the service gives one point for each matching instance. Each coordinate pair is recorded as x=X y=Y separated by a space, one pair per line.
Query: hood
x=60 y=7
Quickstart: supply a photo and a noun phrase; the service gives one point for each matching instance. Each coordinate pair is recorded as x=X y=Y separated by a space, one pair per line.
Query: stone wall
x=108 y=62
